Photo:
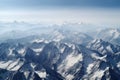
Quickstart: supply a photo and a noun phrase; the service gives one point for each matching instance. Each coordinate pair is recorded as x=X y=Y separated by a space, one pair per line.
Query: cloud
x=96 y=16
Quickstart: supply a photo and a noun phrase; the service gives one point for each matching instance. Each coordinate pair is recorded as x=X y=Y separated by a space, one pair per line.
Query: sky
x=60 y=11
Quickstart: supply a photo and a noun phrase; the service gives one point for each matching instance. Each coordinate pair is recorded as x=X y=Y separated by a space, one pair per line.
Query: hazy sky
x=58 y=11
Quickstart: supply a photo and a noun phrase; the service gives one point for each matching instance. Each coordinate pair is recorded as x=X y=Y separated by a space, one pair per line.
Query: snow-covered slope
x=110 y=34
x=69 y=36
x=103 y=47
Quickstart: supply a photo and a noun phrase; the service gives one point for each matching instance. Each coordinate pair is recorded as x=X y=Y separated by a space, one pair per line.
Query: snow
x=57 y=36
x=70 y=61
x=104 y=51
x=15 y=65
x=118 y=64
x=42 y=74
x=46 y=41
x=103 y=58
x=97 y=75
x=4 y=64
x=33 y=65
x=97 y=41
x=10 y=51
x=71 y=45
x=37 y=50
x=69 y=77
x=115 y=33
x=109 y=48
x=62 y=50
x=97 y=45
x=26 y=73
x=109 y=34
x=94 y=40
x=101 y=48
x=21 y=51
x=11 y=65
x=38 y=40
x=90 y=67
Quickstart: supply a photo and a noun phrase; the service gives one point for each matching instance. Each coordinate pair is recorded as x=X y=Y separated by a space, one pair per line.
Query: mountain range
x=61 y=55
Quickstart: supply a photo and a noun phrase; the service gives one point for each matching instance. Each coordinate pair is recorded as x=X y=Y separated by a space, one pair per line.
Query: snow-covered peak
x=37 y=40
x=103 y=46
x=109 y=34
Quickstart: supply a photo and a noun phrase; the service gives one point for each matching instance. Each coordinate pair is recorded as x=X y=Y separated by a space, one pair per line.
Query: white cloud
x=97 y=16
